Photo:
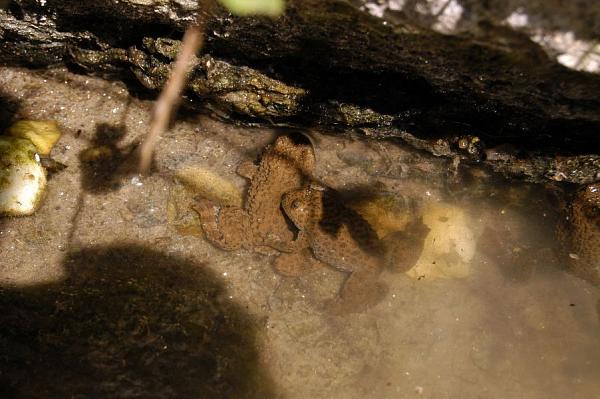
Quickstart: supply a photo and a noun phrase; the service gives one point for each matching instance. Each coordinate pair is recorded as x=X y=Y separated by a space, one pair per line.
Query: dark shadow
x=9 y=108
x=515 y=266
x=336 y=215
x=102 y=163
x=401 y=249
x=522 y=243
x=128 y=322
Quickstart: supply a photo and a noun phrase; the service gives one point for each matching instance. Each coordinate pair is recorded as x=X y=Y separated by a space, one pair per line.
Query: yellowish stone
x=210 y=185
x=450 y=245
x=43 y=134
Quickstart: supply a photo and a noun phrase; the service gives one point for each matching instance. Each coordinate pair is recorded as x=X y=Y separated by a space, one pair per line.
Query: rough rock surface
x=331 y=63
x=566 y=31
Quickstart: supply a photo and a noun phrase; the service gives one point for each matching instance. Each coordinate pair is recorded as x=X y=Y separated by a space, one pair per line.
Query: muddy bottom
x=111 y=290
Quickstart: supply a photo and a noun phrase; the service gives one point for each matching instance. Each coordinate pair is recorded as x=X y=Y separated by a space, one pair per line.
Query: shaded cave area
x=494 y=83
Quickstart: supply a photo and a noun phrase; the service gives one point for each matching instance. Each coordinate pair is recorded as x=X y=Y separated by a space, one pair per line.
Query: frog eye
x=296 y=204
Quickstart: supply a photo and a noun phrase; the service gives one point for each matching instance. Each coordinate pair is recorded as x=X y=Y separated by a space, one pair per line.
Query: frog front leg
x=226 y=228
x=247 y=169
x=360 y=292
x=296 y=264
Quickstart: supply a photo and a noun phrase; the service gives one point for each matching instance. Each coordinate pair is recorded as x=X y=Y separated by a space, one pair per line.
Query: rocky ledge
x=488 y=94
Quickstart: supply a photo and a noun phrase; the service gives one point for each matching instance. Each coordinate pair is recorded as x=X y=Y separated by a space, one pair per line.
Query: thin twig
x=170 y=95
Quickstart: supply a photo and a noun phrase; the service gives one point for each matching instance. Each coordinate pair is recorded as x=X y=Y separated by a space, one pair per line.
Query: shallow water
x=111 y=290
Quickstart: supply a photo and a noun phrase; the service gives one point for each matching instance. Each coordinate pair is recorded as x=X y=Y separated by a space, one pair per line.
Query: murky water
x=111 y=290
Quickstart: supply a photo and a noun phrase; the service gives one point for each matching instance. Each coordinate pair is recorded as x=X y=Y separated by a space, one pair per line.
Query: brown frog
x=340 y=237
x=579 y=233
x=260 y=225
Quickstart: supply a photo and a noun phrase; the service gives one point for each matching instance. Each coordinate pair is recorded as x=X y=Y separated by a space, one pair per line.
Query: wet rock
x=22 y=177
x=350 y=115
x=511 y=161
x=328 y=62
x=449 y=245
x=24 y=158
x=232 y=89
x=564 y=31
x=244 y=91
x=583 y=169
x=208 y=184
x=43 y=134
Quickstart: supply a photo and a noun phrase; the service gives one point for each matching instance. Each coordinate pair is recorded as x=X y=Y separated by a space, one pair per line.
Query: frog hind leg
x=226 y=229
x=360 y=292
x=300 y=243
x=404 y=248
x=247 y=169
x=296 y=264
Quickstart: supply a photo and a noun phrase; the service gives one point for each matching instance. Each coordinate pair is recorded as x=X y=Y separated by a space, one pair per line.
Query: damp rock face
x=22 y=177
x=331 y=62
x=579 y=234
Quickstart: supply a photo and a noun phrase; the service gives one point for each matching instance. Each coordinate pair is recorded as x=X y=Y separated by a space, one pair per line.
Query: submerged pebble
x=22 y=177
x=43 y=134
x=210 y=185
x=449 y=246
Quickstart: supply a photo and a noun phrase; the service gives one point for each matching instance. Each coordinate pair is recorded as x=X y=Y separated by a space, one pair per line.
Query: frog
x=404 y=248
x=260 y=225
x=579 y=233
x=341 y=238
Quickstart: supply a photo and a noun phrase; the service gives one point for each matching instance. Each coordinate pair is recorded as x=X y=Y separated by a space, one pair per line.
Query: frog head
x=297 y=150
x=300 y=205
